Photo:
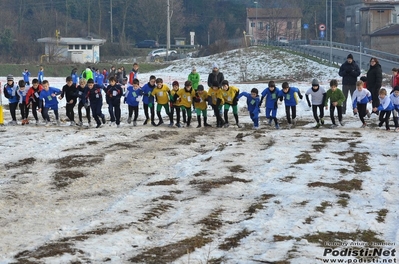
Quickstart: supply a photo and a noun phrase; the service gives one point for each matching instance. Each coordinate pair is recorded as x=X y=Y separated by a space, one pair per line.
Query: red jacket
x=31 y=94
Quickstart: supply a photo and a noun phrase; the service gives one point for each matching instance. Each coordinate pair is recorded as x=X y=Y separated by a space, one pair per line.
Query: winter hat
x=315 y=82
x=10 y=77
x=215 y=65
x=175 y=83
x=215 y=84
x=350 y=56
x=193 y=69
x=396 y=88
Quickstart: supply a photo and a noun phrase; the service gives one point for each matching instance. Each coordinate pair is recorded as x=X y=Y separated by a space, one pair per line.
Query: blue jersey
x=291 y=97
x=75 y=78
x=11 y=93
x=26 y=76
x=133 y=96
x=252 y=103
x=40 y=76
x=94 y=95
x=147 y=90
x=361 y=97
x=271 y=97
x=99 y=79
x=50 y=97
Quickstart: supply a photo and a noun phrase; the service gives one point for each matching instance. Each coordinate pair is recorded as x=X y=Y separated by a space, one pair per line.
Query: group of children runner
x=183 y=101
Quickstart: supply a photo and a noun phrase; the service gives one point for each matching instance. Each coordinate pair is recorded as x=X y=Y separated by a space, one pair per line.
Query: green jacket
x=336 y=96
x=195 y=79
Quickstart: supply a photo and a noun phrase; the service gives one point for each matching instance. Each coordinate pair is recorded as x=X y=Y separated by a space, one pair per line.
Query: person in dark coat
x=349 y=71
x=215 y=75
x=374 y=81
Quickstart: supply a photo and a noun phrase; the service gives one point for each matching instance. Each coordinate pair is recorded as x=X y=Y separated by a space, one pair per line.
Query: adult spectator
x=215 y=75
x=349 y=71
x=374 y=81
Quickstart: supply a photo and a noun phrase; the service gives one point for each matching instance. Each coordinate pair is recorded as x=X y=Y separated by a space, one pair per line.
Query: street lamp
x=256 y=22
x=110 y=8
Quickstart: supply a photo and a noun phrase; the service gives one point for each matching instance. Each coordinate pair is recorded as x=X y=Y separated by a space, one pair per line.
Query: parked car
x=160 y=53
x=282 y=40
x=147 y=44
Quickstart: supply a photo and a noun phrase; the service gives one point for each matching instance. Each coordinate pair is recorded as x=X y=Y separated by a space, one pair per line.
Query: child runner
x=253 y=103
x=290 y=100
x=395 y=101
x=230 y=96
x=94 y=99
x=114 y=93
x=23 y=106
x=49 y=96
x=318 y=97
x=200 y=105
x=40 y=75
x=70 y=93
x=148 y=100
x=10 y=92
x=385 y=108
x=26 y=75
x=215 y=100
x=32 y=98
x=175 y=103
x=82 y=91
x=271 y=94
x=132 y=98
x=134 y=73
x=336 y=97
x=185 y=96
x=194 y=77
x=361 y=96
x=161 y=92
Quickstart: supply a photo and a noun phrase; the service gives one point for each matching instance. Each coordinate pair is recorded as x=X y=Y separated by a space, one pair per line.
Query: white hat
x=194 y=68
x=215 y=65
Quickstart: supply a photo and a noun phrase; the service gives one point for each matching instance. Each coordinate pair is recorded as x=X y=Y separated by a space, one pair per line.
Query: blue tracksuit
x=75 y=78
x=99 y=79
x=289 y=97
x=26 y=76
x=147 y=90
x=132 y=96
x=10 y=92
x=271 y=101
x=50 y=101
x=40 y=77
x=95 y=99
x=253 y=107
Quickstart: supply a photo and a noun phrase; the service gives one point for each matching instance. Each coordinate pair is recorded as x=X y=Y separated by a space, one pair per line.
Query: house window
x=70 y=47
x=289 y=25
x=260 y=25
x=348 y=20
x=89 y=47
x=252 y=25
x=77 y=47
x=83 y=47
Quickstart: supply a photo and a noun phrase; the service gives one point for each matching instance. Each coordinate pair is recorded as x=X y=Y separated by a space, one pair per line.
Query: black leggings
x=362 y=110
x=69 y=112
x=287 y=112
x=152 y=110
x=339 y=110
x=314 y=110
x=80 y=106
x=46 y=115
x=135 y=110
x=13 y=108
x=24 y=110
x=384 y=118
x=35 y=105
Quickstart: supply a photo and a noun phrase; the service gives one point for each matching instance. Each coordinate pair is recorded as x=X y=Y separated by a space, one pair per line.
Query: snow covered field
x=166 y=195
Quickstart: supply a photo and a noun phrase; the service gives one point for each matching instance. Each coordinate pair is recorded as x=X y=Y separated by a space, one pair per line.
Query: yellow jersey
x=161 y=94
x=186 y=98
x=215 y=94
x=230 y=94
x=203 y=99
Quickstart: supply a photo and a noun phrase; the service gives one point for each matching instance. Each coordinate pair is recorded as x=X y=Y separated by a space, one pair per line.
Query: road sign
x=322 y=34
x=305 y=26
x=322 y=27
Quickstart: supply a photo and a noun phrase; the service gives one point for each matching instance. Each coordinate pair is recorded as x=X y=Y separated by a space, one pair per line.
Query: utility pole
x=110 y=8
x=168 y=31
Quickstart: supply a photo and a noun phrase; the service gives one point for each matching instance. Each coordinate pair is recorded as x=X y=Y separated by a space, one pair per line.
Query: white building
x=79 y=50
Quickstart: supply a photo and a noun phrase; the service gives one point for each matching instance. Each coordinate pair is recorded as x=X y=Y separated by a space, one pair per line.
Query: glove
x=300 y=97
x=150 y=105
